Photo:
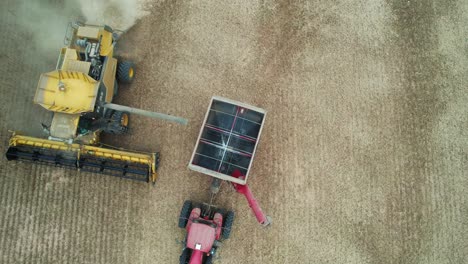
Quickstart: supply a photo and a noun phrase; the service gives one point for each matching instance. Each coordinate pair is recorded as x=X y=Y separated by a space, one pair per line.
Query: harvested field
x=363 y=156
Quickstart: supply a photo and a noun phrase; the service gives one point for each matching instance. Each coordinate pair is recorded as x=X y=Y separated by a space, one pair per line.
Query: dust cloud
x=119 y=14
x=44 y=22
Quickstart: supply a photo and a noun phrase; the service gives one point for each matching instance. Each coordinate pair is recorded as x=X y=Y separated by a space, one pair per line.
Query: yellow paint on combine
x=117 y=154
x=18 y=140
x=90 y=32
x=109 y=78
x=106 y=43
x=66 y=92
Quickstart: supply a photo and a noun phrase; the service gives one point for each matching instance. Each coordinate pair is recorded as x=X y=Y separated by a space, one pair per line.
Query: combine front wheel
x=119 y=123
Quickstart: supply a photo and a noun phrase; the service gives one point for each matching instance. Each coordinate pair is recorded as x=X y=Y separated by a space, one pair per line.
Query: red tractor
x=206 y=227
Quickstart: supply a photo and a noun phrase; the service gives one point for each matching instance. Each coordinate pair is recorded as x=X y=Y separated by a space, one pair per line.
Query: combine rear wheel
x=125 y=71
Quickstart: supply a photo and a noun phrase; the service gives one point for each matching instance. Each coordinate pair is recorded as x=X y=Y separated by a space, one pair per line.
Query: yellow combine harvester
x=80 y=92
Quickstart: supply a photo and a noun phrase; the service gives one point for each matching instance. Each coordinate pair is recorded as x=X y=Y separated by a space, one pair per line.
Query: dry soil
x=363 y=157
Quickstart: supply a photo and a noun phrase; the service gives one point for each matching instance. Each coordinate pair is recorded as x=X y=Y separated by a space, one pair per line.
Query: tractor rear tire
x=185 y=256
x=228 y=225
x=185 y=214
x=125 y=71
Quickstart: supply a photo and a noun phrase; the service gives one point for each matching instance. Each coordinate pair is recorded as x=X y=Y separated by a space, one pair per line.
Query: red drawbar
x=196 y=258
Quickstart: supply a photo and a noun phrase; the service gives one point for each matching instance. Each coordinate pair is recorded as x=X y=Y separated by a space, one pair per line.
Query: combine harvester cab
x=80 y=93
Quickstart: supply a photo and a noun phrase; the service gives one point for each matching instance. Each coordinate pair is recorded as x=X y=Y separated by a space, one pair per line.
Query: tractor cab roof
x=201 y=237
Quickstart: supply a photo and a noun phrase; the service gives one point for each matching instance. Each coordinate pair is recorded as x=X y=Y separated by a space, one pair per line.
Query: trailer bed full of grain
x=228 y=139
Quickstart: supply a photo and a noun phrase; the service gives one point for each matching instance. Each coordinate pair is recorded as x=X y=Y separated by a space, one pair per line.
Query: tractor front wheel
x=185 y=214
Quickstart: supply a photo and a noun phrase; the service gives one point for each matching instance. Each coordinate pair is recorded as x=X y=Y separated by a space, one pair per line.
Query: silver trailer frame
x=225 y=147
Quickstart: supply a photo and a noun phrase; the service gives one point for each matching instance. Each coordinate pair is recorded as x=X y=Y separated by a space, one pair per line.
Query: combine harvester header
x=125 y=164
